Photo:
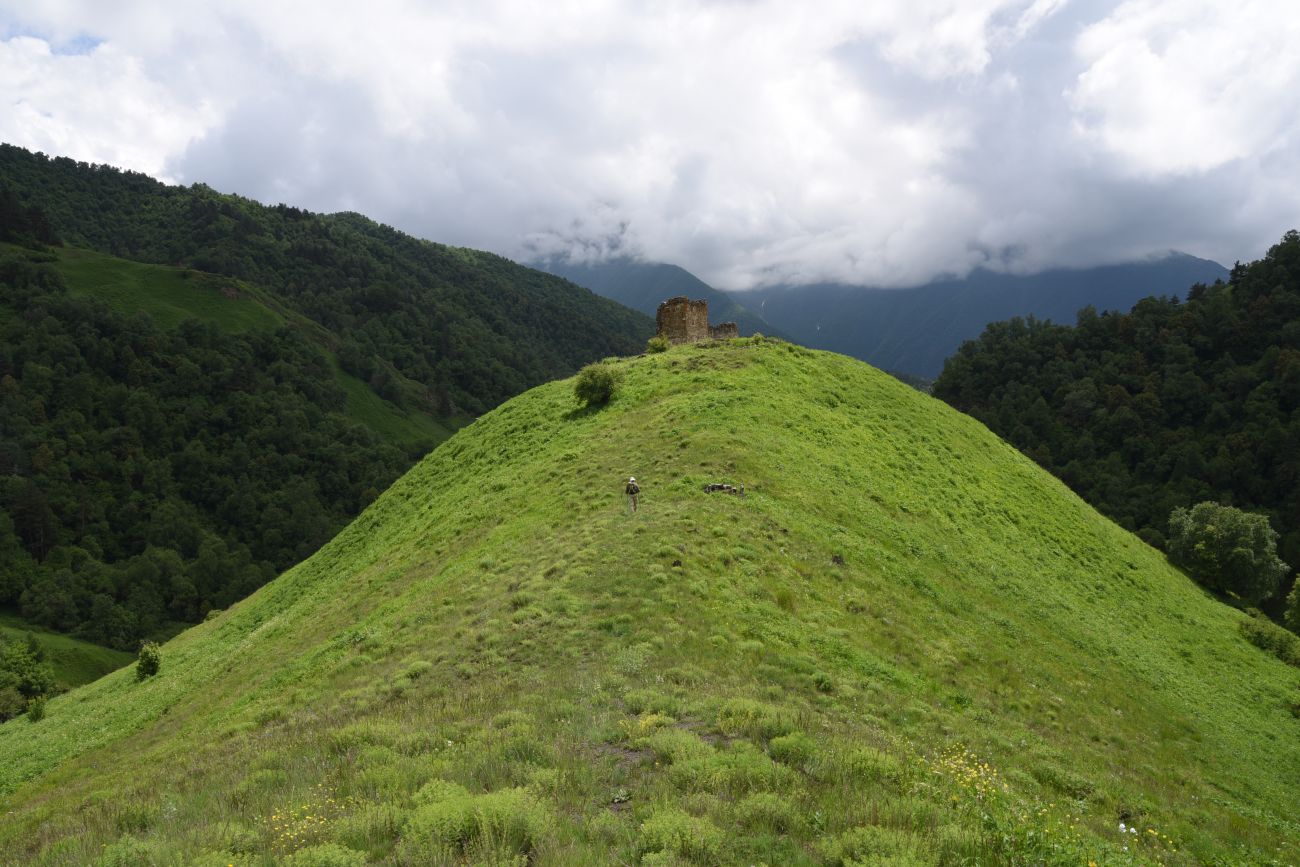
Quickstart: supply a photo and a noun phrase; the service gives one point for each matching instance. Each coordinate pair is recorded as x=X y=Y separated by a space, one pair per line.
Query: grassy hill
x=906 y=644
x=74 y=662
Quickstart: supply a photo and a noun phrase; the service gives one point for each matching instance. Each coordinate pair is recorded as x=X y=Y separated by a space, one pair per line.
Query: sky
x=880 y=143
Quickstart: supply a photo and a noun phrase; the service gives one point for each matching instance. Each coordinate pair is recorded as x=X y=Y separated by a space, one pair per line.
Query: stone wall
x=681 y=320
x=724 y=331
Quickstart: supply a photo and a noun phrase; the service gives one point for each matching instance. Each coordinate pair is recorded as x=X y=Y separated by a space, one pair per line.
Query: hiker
x=632 y=490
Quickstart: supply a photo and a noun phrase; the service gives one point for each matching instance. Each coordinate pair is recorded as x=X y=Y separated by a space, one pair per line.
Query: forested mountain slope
x=150 y=473
x=438 y=328
x=914 y=330
x=1168 y=405
x=905 y=644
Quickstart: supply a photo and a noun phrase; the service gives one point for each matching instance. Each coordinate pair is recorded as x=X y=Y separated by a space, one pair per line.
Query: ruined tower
x=681 y=320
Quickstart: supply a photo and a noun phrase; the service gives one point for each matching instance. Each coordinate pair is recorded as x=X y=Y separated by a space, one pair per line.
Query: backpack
x=633 y=488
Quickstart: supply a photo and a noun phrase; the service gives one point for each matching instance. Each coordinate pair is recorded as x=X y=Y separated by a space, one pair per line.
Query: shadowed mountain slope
x=642 y=286
x=906 y=644
x=914 y=330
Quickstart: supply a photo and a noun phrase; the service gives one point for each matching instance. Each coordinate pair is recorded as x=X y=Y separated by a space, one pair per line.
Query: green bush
x=868 y=765
x=766 y=810
x=596 y=384
x=440 y=790
x=657 y=344
x=1293 y=609
x=872 y=845
x=1226 y=550
x=128 y=851
x=12 y=703
x=743 y=768
x=672 y=831
x=743 y=716
x=795 y=749
x=36 y=708
x=1268 y=636
x=325 y=855
x=504 y=822
x=149 y=660
x=675 y=745
x=370 y=826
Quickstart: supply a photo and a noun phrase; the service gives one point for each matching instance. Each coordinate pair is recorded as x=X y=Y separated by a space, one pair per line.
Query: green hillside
x=73 y=662
x=906 y=644
x=170 y=295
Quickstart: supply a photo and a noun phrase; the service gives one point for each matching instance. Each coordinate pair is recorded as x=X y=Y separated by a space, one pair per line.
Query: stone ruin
x=681 y=320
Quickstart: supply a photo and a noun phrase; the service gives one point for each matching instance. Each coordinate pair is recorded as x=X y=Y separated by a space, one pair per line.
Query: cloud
x=880 y=143
x=97 y=104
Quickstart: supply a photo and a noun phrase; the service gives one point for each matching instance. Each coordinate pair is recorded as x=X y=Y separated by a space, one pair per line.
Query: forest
x=1171 y=404
x=152 y=475
x=440 y=329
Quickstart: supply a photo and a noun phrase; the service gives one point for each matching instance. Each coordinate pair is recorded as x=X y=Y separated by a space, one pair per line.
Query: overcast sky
x=877 y=142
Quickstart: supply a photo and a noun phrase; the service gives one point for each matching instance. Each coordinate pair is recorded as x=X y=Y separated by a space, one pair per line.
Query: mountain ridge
x=909 y=331
x=915 y=330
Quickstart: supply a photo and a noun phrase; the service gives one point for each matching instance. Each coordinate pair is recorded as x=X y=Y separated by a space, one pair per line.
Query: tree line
x=1169 y=405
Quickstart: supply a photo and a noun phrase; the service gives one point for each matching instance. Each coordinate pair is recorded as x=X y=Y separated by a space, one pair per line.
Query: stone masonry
x=681 y=320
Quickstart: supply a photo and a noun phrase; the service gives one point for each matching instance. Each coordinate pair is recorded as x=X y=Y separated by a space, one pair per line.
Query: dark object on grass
x=725 y=489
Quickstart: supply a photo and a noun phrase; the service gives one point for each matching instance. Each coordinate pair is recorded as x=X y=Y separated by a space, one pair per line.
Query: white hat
x=631 y=478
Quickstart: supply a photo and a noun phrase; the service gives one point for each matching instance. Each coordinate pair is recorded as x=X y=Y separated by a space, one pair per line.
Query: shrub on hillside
x=596 y=384
x=1293 y=609
x=1226 y=550
x=656 y=344
x=507 y=822
x=1268 y=636
x=23 y=676
x=149 y=660
x=673 y=831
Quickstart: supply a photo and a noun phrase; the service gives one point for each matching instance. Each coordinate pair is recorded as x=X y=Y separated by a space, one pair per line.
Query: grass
x=170 y=295
x=74 y=662
x=906 y=644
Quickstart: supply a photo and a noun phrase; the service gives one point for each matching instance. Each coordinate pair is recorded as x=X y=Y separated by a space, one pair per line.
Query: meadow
x=73 y=662
x=906 y=644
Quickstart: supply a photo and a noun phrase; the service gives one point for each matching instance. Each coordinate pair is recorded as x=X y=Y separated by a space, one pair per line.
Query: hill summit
x=905 y=644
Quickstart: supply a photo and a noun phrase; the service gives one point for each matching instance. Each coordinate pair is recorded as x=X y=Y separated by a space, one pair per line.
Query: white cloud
x=100 y=106
x=747 y=141
x=1185 y=87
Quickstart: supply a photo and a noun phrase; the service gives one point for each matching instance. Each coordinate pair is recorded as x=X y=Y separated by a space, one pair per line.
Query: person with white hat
x=632 y=490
